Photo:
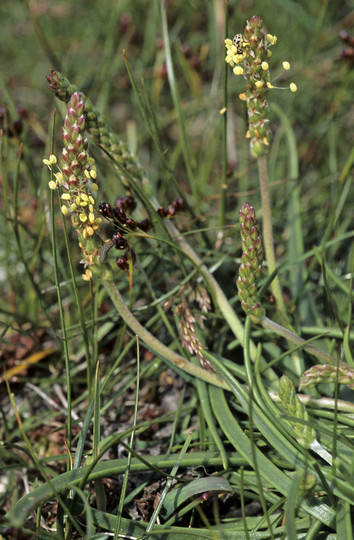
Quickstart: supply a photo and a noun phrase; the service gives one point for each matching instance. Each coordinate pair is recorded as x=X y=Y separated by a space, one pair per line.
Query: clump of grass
x=188 y=414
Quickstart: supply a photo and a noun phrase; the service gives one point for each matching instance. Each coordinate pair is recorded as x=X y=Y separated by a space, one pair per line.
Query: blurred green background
x=85 y=41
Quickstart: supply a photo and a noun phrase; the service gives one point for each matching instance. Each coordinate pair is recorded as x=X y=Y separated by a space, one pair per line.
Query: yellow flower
x=293 y=87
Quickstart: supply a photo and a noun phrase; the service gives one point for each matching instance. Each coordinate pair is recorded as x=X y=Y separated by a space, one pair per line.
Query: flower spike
x=248 y=55
x=251 y=263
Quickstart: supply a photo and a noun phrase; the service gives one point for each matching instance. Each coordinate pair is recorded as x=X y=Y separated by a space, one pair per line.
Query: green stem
x=268 y=235
x=319 y=403
x=293 y=338
x=230 y=316
x=155 y=345
x=223 y=187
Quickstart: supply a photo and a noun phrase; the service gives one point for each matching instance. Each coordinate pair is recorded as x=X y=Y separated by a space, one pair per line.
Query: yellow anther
x=87 y=276
x=52 y=185
x=64 y=210
x=272 y=39
x=51 y=161
x=238 y=70
x=286 y=66
x=265 y=66
x=293 y=87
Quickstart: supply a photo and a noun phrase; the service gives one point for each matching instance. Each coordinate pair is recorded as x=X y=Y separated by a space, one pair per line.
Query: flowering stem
x=320 y=403
x=220 y=298
x=268 y=234
x=293 y=338
x=154 y=344
x=62 y=321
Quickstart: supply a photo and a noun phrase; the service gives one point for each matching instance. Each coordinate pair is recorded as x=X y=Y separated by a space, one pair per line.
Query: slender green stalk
x=168 y=486
x=16 y=229
x=62 y=320
x=223 y=186
x=99 y=488
x=247 y=361
x=268 y=234
x=89 y=367
x=177 y=104
x=293 y=338
x=156 y=345
x=319 y=403
x=130 y=456
x=223 y=303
